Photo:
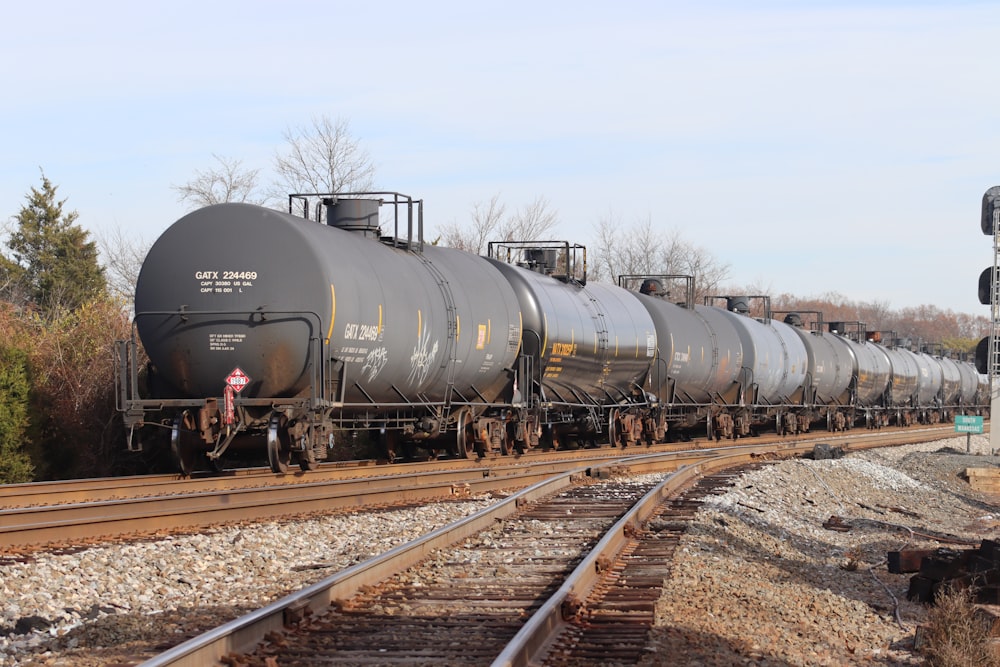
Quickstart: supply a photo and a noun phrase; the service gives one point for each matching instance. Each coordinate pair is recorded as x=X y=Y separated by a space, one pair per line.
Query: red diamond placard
x=237 y=380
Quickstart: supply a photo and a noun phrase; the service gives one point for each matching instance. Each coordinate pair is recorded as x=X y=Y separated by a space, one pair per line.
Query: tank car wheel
x=183 y=443
x=614 y=429
x=279 y=451
x=465 y=439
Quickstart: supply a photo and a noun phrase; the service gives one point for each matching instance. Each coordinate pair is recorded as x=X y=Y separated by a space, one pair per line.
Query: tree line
x=61 y=309
x=58 y=321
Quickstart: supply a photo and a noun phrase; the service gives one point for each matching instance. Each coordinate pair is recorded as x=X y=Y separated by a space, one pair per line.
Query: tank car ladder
x=603 y=345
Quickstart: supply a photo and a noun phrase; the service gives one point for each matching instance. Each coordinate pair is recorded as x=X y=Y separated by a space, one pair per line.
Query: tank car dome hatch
x=653 y=287
x=353 y=215
x=836 y=327
x=738 y=304
x=541 y=260
x=794 y=320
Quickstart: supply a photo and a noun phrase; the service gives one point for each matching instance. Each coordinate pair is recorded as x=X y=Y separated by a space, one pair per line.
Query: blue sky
x=813 y=146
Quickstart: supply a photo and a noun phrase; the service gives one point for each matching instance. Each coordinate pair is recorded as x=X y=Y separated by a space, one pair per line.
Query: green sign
x=968 y=424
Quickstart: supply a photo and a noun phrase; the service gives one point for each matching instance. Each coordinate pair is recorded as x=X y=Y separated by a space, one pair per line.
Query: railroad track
x=149 y=505
x=29 y=528
x=510 y=612
x=37 y=494
x=611 y=625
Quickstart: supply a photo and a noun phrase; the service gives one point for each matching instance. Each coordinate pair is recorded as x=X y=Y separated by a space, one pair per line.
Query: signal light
x=986 y=286
x=983 y=356
x=991 y=204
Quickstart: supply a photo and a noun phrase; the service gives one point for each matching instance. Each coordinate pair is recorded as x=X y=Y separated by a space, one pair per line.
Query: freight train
x=276 y=332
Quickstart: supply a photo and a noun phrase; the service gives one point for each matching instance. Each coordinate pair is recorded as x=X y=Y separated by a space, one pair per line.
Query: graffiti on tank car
x=422 y=357
x=375 y=362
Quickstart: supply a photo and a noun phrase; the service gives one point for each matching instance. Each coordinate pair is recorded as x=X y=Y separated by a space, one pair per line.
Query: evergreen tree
x=53 y=262
x=15 y=464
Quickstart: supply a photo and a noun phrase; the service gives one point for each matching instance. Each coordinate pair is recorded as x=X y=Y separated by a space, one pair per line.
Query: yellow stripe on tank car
x=333 y=313
x=420 y=319
x=520 y=332
x=380 y=319
x=545 y=341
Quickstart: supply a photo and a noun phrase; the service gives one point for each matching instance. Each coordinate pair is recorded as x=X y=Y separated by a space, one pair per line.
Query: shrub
x=15 y=464
x=957 y=634
x=72 y=426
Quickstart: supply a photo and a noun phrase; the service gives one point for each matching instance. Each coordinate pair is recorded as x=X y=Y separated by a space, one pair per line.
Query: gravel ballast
x=756 y=581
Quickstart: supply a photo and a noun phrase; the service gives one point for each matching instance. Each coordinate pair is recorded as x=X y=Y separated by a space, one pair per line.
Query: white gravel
x=759 y=581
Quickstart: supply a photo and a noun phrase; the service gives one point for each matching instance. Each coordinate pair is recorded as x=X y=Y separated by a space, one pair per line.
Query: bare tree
x=323 y=157
x=533 y=222
x=486 y=219
x=641 y=249
x=877 y=315
x=123 y=257
x=681 y=256
x=228 y=182
x=607 y=258
x=620 y=250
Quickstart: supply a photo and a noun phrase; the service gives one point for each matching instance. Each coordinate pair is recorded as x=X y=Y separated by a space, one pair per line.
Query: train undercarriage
x=300 y=432
x=200 y=436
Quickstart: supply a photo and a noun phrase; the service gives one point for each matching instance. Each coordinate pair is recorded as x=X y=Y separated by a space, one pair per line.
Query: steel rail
x=529 y=644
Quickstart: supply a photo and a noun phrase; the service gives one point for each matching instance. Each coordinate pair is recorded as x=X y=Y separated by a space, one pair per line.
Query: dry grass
x=957 y=634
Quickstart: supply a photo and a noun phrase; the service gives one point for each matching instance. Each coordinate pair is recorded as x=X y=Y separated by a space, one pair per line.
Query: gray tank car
x=951 y=381
x=831 y=381
x=590 y=345
x=968 y=391
x=263 y=324
x=930 y=380
x=775 y=364
x=733 y=371
x=699 y=366
x=905 y=376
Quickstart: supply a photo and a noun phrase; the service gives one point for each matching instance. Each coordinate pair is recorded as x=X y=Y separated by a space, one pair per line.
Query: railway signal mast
x=988 y=350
